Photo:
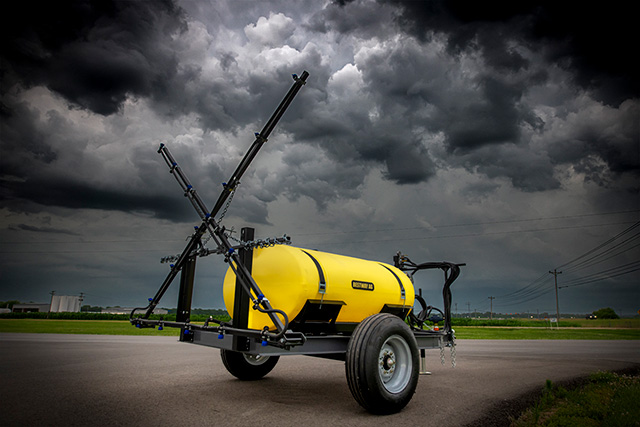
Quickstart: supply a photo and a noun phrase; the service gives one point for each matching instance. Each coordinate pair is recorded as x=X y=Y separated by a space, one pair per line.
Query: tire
x=247 y=367
x=382 y=364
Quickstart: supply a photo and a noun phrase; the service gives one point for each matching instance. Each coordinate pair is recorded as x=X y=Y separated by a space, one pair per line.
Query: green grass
x=608 y=323
x=526 y=323
x=113 y=327
x=607 y=399
x=463 y=332
x=564 y=323
x=93 y=327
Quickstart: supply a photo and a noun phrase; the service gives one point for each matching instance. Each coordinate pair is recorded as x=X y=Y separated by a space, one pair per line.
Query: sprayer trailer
x=284 y=300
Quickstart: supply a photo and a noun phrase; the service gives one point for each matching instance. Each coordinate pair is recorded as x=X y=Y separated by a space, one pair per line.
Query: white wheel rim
x=394 y=364
x=255 y=359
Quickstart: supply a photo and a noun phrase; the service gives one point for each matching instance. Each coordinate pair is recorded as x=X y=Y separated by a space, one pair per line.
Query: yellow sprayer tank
x=291 y=277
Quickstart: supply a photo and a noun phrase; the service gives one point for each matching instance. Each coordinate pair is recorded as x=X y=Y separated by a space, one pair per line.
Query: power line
x=542 y=289
x=604 y=259
x=635 y=225
x=602 y=278
x=619 y=268
x=605 y=274
x=526 y=289
x=602 y=252
x=601 y=257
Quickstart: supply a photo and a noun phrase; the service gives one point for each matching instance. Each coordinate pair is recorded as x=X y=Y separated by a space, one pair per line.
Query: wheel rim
x=255 y=359
x=394 y=364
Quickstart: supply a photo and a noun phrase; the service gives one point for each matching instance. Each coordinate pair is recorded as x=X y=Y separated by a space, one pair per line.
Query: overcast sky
x=502 y=136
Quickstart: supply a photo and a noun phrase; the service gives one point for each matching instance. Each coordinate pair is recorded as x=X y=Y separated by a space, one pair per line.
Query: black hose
x=280 y=334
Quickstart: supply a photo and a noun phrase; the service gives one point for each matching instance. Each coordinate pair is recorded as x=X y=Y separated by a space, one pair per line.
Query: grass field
x=607 y=399
x=505 y=333
x=118 y=327
x=607 y=323
x=92 y=327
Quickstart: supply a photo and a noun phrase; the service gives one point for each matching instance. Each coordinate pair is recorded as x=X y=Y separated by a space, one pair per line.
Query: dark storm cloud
x=405 y=160
x=29 y=172
x=528 y=171
x=591 y=44
x=99 y=54
x=22 y=142
x=47 y=160
x=605 y=150
x=594 y=42
x=76 y=195
x=413 y=95
x=94 y=53
x=492 y=119
x=50 y=230
x=366 y=19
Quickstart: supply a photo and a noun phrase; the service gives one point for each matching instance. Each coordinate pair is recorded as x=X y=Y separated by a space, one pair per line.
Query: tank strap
x=322 y=287
x=402 y=293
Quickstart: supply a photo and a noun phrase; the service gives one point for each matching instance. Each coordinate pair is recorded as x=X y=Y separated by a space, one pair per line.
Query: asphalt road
x=122 y=381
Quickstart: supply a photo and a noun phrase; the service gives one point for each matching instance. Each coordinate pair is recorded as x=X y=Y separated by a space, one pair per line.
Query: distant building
x=128 y=310
x=31 y=308
x=66 y=304
x=59 y=304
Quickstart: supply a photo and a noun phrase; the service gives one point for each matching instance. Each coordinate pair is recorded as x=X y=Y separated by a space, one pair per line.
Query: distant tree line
x=606 y=313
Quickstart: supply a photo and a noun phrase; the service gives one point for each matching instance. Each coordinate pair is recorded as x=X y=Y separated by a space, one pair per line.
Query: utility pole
x=555 y=275
x=491 y=312
x=469 y=309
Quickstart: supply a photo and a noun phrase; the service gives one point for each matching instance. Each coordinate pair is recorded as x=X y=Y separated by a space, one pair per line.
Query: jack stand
x=423 y=363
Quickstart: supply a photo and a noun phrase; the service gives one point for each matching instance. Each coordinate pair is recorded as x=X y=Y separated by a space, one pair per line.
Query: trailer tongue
x=286 y=300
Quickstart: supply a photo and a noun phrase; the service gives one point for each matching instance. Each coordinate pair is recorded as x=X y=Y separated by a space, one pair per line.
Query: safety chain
x=453 y=353
x=252 y=244
x=266 y=243
x=441 y=351
x=169 y=258
x=226 y=206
